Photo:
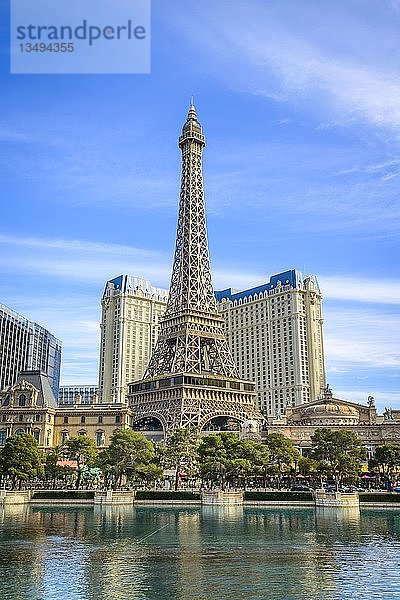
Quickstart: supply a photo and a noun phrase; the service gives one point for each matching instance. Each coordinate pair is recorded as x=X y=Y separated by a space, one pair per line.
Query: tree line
x=218 y=459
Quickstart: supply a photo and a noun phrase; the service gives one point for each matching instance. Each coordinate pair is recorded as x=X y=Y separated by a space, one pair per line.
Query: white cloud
x=385 y=291
x=80 y=260
x=74 y=245
x=323 y=53
x=358 y=338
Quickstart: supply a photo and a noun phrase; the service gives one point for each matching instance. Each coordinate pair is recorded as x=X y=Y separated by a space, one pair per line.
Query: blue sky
x=300 y=105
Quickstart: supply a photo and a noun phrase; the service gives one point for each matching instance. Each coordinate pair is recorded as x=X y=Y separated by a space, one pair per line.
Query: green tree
x=21 y=458
x=340 y=452
x=226 y=459
x=181 y=452
x=83 y=450
x=283 y=454
x=51 y=469
x=386 y=461
x=307 y=466
x=129 y=455
x=213 y=458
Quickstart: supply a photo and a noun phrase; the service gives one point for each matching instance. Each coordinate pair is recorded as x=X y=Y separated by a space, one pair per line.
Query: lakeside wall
x=180 y=498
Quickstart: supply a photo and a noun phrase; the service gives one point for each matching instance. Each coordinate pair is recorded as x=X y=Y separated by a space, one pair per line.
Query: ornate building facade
x=29 y=406
x=191 y=378
x=275 y=335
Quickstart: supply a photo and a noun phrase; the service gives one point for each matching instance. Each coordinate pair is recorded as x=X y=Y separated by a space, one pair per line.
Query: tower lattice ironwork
x=191 y=339
x=191 y=377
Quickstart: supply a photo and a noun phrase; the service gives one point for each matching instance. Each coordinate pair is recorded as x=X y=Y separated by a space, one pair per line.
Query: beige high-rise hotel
x=275 y=335
x=131 y=309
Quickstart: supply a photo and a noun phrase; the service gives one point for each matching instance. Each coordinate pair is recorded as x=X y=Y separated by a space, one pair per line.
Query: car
x=330 y=488
x=300 y=487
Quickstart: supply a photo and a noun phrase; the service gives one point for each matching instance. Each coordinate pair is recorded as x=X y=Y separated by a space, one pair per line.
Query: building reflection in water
x=337 y=517
x=193 y=553
x=222 y=513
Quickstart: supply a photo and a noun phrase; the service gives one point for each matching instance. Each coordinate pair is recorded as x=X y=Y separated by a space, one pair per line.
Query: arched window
x=36 y=434
x=19 y=431
x=22 y=400
x=100 y=438
x=64 y=437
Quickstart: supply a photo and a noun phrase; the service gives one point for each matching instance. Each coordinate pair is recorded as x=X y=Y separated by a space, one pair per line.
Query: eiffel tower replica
x=191 y=377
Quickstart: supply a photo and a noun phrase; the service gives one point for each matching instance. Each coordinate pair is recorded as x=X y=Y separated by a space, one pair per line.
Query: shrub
x=63 y=495
x=382 y=497
x=147 y=495
x=279 y=496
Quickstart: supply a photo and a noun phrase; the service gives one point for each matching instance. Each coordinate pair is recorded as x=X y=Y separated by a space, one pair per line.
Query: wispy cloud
x=96 y=261
x=75 y=246
x=80 y=260
x=320 y=52
x=331 y=188
x=373 y=290
x=357 y=338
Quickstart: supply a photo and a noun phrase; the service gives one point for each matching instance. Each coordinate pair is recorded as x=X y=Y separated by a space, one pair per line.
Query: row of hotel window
x=118 y=419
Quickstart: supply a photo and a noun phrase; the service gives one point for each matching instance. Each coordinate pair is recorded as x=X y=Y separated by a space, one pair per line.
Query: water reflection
x=198 y=553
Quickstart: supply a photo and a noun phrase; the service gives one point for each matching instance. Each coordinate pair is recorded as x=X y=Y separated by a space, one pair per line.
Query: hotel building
x=275 y=335
x=131 y=310
x=25 y=345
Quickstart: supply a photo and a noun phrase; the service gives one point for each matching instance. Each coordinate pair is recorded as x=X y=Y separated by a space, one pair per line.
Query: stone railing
x=14 y=497
x=220 y=497
x=114 y=497
x=336 y=499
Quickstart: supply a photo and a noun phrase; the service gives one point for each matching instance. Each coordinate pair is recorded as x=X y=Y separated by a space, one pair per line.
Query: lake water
x=198 y=553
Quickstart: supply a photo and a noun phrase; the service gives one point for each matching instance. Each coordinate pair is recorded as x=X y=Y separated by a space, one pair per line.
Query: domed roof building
x=299 y=423
x=330 y=413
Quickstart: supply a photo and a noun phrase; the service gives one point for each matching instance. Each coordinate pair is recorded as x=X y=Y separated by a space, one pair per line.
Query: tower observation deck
x=191 y=378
